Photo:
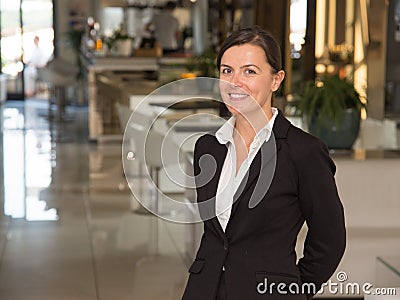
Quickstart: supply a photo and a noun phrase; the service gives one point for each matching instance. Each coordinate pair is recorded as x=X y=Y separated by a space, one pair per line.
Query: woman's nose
x=236 y=80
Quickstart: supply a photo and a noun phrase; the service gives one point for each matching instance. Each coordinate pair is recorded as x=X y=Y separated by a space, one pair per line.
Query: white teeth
x=238 y=95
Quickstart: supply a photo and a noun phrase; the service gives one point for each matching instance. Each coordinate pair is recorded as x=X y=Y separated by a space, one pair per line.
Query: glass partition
x=388 y=271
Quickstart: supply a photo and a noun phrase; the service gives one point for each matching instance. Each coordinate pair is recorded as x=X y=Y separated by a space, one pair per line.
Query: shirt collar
x=225 y=133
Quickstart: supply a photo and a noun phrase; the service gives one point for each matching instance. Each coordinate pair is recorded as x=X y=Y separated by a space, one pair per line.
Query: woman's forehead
x=243 y=53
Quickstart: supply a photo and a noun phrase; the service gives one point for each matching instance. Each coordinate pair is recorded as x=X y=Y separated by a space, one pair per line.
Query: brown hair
x=256 y=36
x=170 y=5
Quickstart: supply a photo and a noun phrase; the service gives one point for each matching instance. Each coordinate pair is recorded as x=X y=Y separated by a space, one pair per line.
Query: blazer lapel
x=218 y=152
x=263 y=164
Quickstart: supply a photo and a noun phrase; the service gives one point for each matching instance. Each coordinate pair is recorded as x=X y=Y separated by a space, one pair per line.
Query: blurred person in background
x=165 y=28
x=37 y=59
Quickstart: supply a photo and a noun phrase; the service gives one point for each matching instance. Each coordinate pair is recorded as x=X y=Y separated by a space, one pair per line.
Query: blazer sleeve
x=323 y=211
x=199 y=150
x=201 y=169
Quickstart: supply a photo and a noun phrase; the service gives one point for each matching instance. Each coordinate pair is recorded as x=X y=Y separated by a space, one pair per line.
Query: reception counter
x=114 y=79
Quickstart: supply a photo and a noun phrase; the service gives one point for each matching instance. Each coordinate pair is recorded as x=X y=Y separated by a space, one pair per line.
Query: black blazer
x=258 y=245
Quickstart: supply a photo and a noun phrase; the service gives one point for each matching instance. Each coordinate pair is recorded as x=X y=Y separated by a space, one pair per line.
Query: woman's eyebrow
x=250 y=65
x=223 y=65
x=242 y=67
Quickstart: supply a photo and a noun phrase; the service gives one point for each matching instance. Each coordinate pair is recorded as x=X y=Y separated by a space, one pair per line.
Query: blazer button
x=226 y=246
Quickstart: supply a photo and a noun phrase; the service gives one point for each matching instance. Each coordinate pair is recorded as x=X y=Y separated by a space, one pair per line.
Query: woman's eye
x=250 y=71
x=226 y=71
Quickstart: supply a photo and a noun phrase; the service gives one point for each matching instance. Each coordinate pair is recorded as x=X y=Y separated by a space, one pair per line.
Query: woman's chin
x=234 y=112
x=234 y=109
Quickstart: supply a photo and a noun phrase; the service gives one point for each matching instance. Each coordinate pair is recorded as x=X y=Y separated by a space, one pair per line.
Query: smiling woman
x=251 y=81
x=270 y=178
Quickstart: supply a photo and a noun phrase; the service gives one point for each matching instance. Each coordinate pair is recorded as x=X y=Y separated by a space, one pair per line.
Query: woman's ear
x=278 y=78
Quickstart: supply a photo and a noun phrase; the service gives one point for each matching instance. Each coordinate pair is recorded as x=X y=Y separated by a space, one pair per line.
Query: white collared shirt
x=229 y=182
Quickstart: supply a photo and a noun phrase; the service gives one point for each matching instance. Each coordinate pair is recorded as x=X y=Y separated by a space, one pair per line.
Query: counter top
x=130 y=63
x=362 y=154
x=121 y=63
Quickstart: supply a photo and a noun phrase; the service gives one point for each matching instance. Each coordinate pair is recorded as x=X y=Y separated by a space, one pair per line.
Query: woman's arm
x=319 y=200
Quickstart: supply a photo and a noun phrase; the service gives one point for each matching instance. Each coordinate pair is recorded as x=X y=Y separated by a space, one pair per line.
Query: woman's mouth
x=237 y=96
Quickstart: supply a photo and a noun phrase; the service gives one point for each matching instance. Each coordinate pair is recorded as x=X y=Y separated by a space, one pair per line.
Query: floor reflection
x=27 y=168
x=87 y=240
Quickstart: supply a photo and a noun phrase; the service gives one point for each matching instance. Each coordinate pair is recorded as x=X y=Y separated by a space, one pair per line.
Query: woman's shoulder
x=205 y=141
x=297 y=134
x=304 y=143
x=308 y=151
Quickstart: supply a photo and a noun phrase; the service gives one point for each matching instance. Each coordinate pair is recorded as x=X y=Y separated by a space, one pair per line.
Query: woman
x=266 y=184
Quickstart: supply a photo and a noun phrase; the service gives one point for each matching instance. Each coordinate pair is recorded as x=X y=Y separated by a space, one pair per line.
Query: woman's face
x=247 y=79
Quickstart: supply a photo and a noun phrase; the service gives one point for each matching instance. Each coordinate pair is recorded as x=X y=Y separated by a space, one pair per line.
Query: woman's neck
x=252 y=122
x=247 y=126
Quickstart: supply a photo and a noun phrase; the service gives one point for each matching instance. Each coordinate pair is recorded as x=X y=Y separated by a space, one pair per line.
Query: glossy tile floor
x=68 y=227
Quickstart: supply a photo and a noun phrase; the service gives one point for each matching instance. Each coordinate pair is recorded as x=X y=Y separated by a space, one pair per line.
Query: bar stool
x=148 y=146
x=60 y=75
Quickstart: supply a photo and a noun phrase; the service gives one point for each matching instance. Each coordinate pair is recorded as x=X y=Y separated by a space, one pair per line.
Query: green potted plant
x=120 y=42
x=332 y=110
x=204 y=64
